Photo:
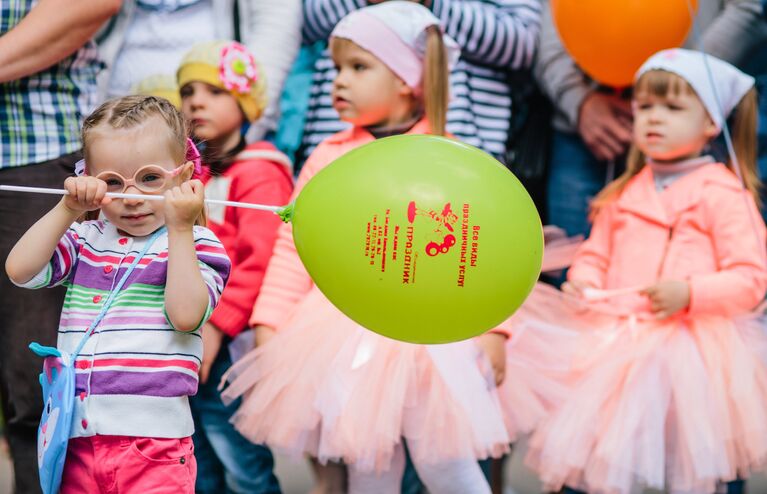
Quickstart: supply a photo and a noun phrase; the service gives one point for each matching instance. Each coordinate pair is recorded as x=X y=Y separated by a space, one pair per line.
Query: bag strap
x=115 y=291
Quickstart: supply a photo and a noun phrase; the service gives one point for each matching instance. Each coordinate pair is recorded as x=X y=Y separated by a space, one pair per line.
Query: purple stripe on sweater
x=161 y=383
x=155 y=273
x=67 y=245
x=94 y=277
x=221 y=265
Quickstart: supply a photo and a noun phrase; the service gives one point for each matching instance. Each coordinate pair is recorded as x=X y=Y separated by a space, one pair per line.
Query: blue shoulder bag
x=58 y=382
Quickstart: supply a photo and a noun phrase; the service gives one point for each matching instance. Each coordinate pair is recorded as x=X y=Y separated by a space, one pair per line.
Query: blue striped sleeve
x=321 y=16
x=495 y=33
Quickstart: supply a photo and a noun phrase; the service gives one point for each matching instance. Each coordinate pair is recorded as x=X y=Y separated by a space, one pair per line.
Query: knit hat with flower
x=230 y=66
x=162 y=85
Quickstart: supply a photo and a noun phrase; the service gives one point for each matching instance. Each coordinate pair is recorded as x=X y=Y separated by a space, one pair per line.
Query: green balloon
x=419 y=238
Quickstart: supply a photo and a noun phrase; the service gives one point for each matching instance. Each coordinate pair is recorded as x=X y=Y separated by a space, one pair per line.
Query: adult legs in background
x=27 y=316
x=575 y=177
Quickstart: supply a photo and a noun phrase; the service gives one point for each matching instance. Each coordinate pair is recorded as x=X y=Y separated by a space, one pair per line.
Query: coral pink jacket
x=704 y=228
x=286 y=281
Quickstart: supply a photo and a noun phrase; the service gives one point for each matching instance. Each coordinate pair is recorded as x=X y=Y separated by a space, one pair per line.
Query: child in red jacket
x=222 y=91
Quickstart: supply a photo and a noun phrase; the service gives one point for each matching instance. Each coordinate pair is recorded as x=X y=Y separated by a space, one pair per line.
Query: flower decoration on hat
x=238 y=68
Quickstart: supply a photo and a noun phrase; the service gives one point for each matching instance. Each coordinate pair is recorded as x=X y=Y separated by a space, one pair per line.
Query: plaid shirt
x=40 y=115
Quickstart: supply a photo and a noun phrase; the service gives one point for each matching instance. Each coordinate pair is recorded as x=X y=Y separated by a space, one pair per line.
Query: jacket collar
x=361 y=134
x=641 y=198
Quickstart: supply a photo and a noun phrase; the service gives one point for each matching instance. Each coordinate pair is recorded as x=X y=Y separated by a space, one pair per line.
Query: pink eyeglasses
x=150 y=179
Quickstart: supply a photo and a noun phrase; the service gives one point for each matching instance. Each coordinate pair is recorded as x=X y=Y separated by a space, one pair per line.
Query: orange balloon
x=610 y=39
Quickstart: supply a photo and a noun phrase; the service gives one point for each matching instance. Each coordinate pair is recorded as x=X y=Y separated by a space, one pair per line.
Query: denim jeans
x=575 y=177
x=226 y=461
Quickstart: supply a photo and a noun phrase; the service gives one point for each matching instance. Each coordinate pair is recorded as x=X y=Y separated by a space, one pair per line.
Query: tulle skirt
x=327 y=387
x=678 y=404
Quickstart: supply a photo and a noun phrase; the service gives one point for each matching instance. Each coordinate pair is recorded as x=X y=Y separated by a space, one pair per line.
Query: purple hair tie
x=193 y=155
x=80 y=168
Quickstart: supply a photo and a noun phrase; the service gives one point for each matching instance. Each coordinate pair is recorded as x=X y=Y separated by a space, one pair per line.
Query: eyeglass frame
x=127 y=182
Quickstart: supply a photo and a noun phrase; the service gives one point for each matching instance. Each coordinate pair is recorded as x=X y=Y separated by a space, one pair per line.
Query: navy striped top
x=495 y=36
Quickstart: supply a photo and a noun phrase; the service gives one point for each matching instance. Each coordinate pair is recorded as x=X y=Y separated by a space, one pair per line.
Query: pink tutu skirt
x=327 y=387
x=540 y=351
x=539 y=362
x=679 y=404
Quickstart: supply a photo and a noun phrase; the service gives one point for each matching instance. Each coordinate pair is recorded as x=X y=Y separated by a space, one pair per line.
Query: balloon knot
x=286 y=213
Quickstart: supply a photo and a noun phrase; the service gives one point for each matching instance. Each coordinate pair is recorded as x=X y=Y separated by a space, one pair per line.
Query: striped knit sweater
x=495 y=36
x=135 y=372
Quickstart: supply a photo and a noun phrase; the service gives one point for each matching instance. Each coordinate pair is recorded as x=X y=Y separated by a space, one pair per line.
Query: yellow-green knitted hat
x=230 y=66
x=162 y=85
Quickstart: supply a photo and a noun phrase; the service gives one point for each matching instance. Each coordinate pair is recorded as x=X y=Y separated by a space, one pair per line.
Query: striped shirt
x=135 y=372
x=495 y=36
x=40 y=115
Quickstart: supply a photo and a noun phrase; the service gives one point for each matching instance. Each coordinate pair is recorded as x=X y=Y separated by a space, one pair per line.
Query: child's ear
x=187 y=172
x=403 y=89
x=710 y=129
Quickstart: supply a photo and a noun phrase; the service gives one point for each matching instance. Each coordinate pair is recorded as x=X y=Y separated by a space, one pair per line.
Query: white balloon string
x=282 y=211
x=596 y=294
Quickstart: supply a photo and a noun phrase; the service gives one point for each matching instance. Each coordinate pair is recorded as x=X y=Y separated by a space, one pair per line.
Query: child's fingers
x=500 y=375
x=662 y=314
x=70 y=185
x=500 y=372
x=570 y=288
x=81 y=190
x=101 y=190
x=650 y=291
x=91 y=190
x=100 y=194
x=170 y=194
x=197 y=187
x=168 y=197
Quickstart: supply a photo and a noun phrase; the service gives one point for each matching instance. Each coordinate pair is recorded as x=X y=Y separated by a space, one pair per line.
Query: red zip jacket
x=260 y=174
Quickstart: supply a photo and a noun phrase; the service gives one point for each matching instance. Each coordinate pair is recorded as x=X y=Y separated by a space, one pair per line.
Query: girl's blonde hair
x=132 y=111
x=436 y=77
x=436 y=80
x=660 y=83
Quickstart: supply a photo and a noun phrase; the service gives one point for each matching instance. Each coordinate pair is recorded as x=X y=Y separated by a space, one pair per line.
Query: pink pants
x=125 y=465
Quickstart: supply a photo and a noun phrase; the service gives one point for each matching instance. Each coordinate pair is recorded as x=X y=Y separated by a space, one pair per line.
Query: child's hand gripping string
x=35 y=248
x=668 y=297
x=577 y=288
x=183 y=205
x=186 y=295
x=85 y=194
